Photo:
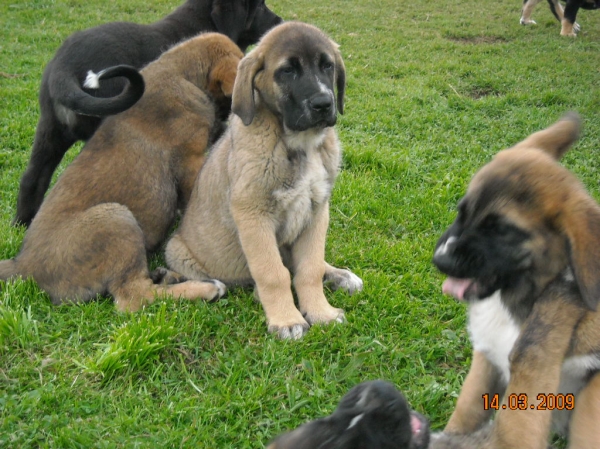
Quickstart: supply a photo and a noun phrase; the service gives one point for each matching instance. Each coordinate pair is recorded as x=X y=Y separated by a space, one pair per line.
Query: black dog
x=72 y=111
x=375 y=415
x=565 y=16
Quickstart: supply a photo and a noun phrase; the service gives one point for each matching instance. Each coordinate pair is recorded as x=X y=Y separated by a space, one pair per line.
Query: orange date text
x=523 y=402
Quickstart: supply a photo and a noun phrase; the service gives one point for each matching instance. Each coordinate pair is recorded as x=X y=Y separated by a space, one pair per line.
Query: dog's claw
x=341 y=318
x=294 y=332
x=221 y=289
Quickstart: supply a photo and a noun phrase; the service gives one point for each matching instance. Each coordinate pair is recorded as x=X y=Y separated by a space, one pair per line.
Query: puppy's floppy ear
x=340 y=78
x=243 y=91
x=582 y=226
x=222 y=77
x=557 y=138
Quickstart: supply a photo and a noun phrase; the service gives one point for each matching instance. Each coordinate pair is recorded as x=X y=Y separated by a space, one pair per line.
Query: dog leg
x=536 y=363
x=528 y=6
x=101 y=250
x=273 y=283
x=49 y=147
x=557 y=9
x=338 y=278
x=139 y=292
x=569 y=26
x=470 y=414
x=181 y=260
x=584 y=432
x=308 y=257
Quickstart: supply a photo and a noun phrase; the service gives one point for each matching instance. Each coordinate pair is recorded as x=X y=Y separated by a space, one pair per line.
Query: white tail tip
x=92 y=80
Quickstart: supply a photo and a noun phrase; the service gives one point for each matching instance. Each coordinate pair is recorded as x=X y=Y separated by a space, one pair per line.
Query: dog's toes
x=219 y=287
x=341 y=318
x=158 y=274
x=293 y=332
x=344 y=280
x=165 y=276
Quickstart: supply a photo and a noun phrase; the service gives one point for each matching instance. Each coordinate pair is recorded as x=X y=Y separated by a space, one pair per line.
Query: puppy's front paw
x=294 y=331
x=527 y=21
x=325 y=315
x=337 y=278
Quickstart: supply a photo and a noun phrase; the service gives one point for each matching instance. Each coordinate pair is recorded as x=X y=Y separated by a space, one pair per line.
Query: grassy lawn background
x=434 y=90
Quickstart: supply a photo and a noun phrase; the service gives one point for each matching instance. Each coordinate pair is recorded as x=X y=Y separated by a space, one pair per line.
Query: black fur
x=307 y=84
x=572 y=7
x=489 y=250
x=373 y=415
x=67 y=111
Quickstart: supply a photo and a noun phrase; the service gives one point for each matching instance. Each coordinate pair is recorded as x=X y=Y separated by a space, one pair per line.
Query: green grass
x=434 y=90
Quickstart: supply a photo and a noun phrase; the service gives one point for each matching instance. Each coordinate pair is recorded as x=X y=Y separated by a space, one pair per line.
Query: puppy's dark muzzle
x=322 y=110
x=321 y=104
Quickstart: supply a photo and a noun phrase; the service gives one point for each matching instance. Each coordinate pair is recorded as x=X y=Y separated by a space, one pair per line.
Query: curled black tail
x=83 y=103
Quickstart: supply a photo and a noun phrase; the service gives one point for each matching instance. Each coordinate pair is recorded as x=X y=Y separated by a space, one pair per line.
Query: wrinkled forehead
x=307 y=45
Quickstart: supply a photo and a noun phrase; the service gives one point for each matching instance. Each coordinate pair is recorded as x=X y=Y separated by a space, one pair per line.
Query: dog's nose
x=321 y=103
x=442 y=257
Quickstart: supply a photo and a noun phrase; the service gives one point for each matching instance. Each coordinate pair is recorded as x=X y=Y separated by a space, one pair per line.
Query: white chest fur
x=493 y=331
x=310 y=188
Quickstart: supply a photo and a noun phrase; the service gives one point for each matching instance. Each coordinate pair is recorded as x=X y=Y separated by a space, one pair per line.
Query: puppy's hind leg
x=104 y=252
x=181 y=260
x=139 y=291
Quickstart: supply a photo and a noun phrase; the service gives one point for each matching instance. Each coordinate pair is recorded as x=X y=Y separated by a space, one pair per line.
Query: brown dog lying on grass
x=119 y=197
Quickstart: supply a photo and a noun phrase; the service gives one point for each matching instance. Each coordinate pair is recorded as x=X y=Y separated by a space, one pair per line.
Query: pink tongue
x=415 y=424
x=456 y=287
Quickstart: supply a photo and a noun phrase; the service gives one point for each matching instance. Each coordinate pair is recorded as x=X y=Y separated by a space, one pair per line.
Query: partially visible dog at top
x=259 y=211
x=72 y=110
x=566 y=16
x=374 y=415
x=119 y=198
x=524 y=254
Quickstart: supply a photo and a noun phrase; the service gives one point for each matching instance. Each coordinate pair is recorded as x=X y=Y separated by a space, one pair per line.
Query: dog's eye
x=327 y=65
x=493 y=224
x=287 y=71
